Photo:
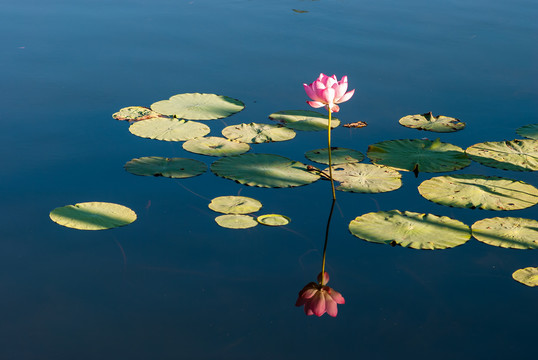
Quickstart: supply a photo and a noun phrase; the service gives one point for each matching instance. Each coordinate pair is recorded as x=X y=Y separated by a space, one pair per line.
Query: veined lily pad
x=135 y=113
x=432 y=123
x=198 y=106
x=509 y=232
x=169 y=129
x=418 y=155
x=476 y=191
x=529 y=131
x=177 y=168
x=236 y=221
x=273 y=220
x=93 y=216
x=366 y=178
x=305 y=120
x=263 y=170
x=518 y=155
x=338 y=155
x=527 y=276
x=258 y=133
x=235 y=205
x=410 y=229
x=215 y=146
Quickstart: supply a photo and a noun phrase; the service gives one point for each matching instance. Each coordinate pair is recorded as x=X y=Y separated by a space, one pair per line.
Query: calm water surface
x=174 y=285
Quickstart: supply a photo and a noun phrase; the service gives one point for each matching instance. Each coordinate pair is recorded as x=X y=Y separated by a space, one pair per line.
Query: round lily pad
x=529 y=131
x=508 y=232
x=273 y=220
x=135 y=113
x=338 y=156
x=366 y=178
x=215 y=146
x=527 y=276
x=410 y=229
x=236 y=221
x=177 y=168
x=258 y=133
x=235 y=205
x=305 y=120
x=482 y=192
x=517 y=155
x=418 y=155
x=93 y=216
x=169 y=129
x=198 y=106
x=263 y=170
x=429 y=122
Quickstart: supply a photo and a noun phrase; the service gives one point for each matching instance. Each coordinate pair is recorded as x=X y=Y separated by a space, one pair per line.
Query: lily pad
x=263 y=170
x=418 y=155
x=305 y=120
x=410 y=229
x=235 y=205
x=169 y=129
x=429 y=122
x=338 y=156
x=527 y=276
x=196 y=106
x=482 y=192
x=135 y=113
x=93 y=216
x=258 y=133
x=366 y=178
x=273 y=220
x=508 y=232
x=215 y=146
x=517 y=155
x=529 y=131
x=177 y=168
x=236 y=221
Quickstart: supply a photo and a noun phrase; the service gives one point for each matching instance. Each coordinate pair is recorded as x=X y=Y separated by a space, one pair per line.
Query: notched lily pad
x=215 y=146
x=305 y=120
x=196 y=106
x=235 y=205
x=177 y=168
x=93 y=216
x=527 y=276
x=529 y=131
x=169 y=129
x=273 y=220
x=135 y=113
x=410 y=229
x=366 y=178
x=433 y=123
x=508 y=232
x=482 y=192
x=236 y=221
x=338 y=156
x=254 y=133
x=516 y=155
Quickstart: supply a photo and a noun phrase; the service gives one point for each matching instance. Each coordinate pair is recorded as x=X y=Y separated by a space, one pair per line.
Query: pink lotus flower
x=328 y=91
x=318 y=299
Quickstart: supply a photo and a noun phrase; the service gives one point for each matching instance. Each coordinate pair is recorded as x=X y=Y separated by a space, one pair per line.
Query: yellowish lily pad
x=527 y=276
x=507 y=232
x=273 y=220
x=254 y=133
x=366 y=178
x=235 y=205
x=93 y=216
x=169 y=129
x=433 y=123
x=516 y=155
x=305 y=120
x=215 y=146
x=236 y=221
x=338 y=156
x=196 y=106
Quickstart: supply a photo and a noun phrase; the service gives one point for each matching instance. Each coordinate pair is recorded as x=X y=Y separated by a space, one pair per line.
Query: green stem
x=325 y=246
x=330 y=157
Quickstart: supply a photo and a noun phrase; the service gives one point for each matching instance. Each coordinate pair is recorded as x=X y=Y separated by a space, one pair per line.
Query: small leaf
x=135 y=113
x=235 y=205
x=432 y=123
x=93 y=216
x=273 y=220
x=527 y=276
x=236 y=221
x=258 y=133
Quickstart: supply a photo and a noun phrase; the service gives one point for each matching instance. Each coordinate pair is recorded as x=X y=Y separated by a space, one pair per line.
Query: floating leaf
x=135 y=113
x=529 y=131
x=169 y=129
x=338 y=155
x=418 y=155
x=258 y=133
x=236 y=221
x=263 y=170
x=527 y=276
x=508 y=232
x=432 y=123
x=273 y=220
x=517 y=155
x=235 y=205
x=177 y=168
x=215 y=146
x=93 y=216
x=366 y=178
x=410 y=229
x=198 y=106
x=305 y=120
x=476 y=191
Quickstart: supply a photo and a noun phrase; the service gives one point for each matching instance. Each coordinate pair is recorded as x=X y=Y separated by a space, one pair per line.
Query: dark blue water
x=174 y=285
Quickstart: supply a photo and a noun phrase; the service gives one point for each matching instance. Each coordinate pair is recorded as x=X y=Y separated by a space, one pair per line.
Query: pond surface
x=175 y=285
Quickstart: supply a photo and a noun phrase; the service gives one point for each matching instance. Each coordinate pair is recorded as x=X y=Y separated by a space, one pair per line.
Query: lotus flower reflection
x=318 y=299
x=328 y=91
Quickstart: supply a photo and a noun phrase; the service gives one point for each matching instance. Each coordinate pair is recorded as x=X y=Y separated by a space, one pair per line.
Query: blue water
x=174 y=285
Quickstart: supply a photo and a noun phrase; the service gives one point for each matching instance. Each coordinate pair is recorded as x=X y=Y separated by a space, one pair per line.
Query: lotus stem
x=325 y=245
x=330 y=157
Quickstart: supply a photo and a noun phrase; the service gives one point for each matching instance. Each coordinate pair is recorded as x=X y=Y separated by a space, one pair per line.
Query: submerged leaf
x=169 y=129
x=258 y=133
x=177 y=168
x=527 y=276
x=196 y=106
x=366 y=178
x=432 y=123
x=508 y=232
x=236 y=221
x=273 y=220
x=529 y=131
x=517 y=155
x=305 y=120
x=215 y=146
x=235 y=205
x=338 y=156
x=93 y=216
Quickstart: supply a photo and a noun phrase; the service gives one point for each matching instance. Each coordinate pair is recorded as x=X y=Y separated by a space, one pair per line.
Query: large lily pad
x=508 y=232
x=482 y=192
x=517 y=155
x=410 y=229
x=258 y=133
x=198 y=106
x=263 y=170
x=93 y=216
x=529 y=131
x=169 y=129
x=527 y=276
x=215 y=146
x=236 y=221
x=366 y=178
x=432 y=123
x=135 y=113
x=418 y=155
x=177 y=168
x=235 y=205
x=305 y=120
x=338 y=156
